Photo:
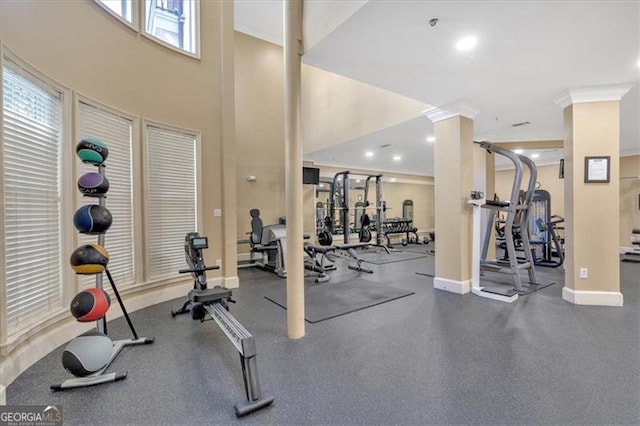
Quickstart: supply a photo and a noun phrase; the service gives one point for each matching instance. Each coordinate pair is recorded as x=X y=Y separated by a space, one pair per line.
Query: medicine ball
x=92 y=219
x=87 y=354
x=89 y=259
x=93 y=184
x=90 y=305
x=92 y=150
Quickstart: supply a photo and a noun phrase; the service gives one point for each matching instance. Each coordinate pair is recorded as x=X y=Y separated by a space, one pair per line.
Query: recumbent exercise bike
x=203 y=301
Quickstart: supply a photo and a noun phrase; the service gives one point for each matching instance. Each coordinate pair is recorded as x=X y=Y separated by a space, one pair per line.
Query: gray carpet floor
x=432 y=358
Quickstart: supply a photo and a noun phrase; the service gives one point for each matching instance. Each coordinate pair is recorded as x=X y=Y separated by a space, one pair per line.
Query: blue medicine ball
x=92 y=219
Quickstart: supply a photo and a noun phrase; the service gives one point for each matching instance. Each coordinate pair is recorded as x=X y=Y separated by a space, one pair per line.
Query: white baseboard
x=231 y=282
x=244 y=257
x=595 y=298
x=457 y=287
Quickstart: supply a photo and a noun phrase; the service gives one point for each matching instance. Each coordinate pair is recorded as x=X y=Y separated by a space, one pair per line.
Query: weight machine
x=213 y=302
x=339 y=206
x=543 y=227
x=517 y=214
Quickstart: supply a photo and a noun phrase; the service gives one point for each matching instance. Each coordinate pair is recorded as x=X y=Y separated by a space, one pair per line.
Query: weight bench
x=319 y=255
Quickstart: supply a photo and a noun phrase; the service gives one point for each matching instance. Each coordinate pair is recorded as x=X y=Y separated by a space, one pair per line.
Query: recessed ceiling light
x=535 y=155
x=431 y=139
x=368 y=154
x=357 y=180
x=518 y=151
x=392 y=180
x=397 y=158
x=321 y=185
x=466 y=43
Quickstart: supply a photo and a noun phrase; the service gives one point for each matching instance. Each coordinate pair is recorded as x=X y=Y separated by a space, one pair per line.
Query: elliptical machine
x=213 y=302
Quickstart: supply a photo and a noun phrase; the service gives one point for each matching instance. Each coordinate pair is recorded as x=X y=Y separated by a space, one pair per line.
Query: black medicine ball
x=89 y=259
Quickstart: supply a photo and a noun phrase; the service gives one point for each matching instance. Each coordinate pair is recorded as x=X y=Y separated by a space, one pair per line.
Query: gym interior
x=320 y=212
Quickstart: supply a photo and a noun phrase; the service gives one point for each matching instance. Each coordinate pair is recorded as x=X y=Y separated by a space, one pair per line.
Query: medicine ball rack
x=100 y=376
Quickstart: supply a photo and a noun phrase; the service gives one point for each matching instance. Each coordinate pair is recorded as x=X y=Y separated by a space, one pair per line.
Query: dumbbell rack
x=101 y=376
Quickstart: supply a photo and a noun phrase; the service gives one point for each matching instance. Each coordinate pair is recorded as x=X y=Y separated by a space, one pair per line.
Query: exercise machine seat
x=256 y=227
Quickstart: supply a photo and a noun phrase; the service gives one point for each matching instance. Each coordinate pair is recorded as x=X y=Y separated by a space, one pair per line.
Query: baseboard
x=244 y=257
x=594 y=298
x=231 y=282
x=457 y=287
x=25 y=354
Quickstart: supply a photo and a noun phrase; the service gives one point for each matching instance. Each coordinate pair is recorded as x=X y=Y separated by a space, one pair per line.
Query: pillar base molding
x=3 y=395
x=452 y=286
x=231 y=282
x=594 y=298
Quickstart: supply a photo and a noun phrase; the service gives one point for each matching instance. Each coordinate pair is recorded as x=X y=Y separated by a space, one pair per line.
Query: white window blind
x=116 y=132
x=171 y=198
x=32 y=155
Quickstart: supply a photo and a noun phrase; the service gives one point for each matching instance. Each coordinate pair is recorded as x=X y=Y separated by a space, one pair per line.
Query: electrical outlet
x=219 y=263
x=584 y=273
x=217 y=212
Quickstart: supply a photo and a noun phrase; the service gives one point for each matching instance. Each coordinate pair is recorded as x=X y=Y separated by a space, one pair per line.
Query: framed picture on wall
x=597 y=169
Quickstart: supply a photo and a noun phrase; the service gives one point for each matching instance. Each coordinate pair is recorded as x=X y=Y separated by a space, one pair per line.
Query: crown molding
x=462 y=107
x=580 y=95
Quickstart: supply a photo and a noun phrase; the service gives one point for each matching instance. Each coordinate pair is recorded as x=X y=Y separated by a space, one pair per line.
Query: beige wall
x=84 y=48
x=259 y=131
x=328 y=98
x=549 y=180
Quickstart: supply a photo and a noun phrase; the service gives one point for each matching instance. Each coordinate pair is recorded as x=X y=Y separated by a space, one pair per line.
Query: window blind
x=171 y=198
x=117 y=132
x=32 y=156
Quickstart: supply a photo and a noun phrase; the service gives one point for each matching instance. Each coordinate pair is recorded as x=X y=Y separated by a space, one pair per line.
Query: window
x=116 y=131
x=174 y=22
x=171 y=194
x=122 y=8
x=32 y=198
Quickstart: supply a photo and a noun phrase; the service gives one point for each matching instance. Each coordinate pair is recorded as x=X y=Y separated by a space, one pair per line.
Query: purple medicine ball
x=93 y=184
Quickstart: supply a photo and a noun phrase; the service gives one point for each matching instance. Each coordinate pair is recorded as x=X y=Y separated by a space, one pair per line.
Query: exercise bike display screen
x=200 y=243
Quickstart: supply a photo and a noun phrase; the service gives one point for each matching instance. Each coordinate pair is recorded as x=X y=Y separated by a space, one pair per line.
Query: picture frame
x=597 y=169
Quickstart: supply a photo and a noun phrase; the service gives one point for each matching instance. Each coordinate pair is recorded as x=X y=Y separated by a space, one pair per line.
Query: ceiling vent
x=524 y=123
x=386 y=145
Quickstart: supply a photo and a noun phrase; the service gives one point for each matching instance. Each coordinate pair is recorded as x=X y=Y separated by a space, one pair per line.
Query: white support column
x=454 y=181
x=228 y=133
x=293 y=167
x=592 y=206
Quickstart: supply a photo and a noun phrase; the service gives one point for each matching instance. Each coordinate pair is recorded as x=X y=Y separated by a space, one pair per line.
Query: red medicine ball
x=90 y=305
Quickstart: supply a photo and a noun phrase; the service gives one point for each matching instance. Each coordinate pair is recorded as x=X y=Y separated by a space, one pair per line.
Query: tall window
x=122 y=8
x=174 y=22
x=171 y=194
x=116 y=130
x=32 y=198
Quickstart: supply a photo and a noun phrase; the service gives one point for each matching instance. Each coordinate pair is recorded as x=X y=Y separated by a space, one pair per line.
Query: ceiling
x=527 y=53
